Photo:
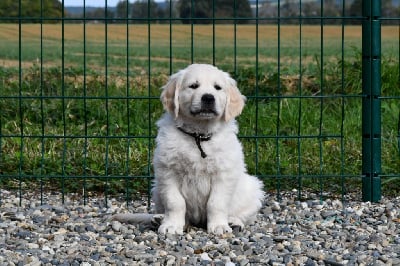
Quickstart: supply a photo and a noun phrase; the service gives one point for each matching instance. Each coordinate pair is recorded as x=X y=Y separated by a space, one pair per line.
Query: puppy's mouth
x=204 y=113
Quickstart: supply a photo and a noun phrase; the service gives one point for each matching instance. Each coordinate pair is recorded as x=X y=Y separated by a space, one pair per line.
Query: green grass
x=76 y=129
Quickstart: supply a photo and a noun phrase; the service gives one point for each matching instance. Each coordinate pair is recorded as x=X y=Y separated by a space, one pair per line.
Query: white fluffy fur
x=214 y=192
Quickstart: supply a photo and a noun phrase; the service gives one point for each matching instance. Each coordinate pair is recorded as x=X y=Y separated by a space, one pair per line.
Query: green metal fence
x=79 y=93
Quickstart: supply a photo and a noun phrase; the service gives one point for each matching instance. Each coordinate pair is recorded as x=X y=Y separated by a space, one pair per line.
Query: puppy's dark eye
x=194 y=85
x=217 y=87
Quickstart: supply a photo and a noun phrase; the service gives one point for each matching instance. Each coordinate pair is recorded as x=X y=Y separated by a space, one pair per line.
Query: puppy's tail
x=144 y=220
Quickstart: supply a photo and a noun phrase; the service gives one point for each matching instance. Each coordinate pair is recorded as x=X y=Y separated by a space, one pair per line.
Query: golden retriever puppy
x=200 y=174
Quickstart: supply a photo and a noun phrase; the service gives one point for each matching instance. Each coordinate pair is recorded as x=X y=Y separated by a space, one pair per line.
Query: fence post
x=371 y=105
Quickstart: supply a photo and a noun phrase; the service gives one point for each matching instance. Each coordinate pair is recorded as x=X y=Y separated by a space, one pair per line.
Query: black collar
x=198 y=137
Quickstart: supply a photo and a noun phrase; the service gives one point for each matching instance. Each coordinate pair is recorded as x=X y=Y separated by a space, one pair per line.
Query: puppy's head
x=202 y=92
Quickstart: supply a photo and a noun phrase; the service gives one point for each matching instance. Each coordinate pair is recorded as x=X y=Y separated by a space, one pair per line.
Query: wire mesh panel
x=79 y=91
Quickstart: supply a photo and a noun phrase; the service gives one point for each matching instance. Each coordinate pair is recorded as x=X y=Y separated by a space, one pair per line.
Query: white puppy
x=200 y=174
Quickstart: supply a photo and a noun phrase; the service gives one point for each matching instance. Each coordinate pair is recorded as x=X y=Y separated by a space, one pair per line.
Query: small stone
x=328 y=213
x=130 y=254
x=116 y=226
x=316 y=255
x=162 y=253
x=389 y=206
x=61 y=231
x=204 y=256
x=304 y=205
x=280 y=247
x=318 y=206
x=58 y=238
x=20 y=217
x=170 y=260
x=280 y=238
x=385 y=243
x=244 y=262
x=275 y=206
x=189 y=250
x=32 y=246
x=337 y=204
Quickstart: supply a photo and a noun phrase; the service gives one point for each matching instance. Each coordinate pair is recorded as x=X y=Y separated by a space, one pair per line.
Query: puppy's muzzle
x=207 y=108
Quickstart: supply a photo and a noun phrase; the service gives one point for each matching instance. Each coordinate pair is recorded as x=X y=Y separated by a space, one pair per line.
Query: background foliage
x=290 y=11
x=32 y=10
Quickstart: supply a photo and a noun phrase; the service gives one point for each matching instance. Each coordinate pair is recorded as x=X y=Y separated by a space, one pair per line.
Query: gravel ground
x=288 y=232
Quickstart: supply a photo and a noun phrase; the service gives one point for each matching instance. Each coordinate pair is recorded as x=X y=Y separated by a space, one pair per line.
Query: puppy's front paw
x=219 y=229
x=236 y=224
x=170 y=228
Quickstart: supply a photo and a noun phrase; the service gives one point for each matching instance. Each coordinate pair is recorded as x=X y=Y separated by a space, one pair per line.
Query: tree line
x=331 y=11
x=184 y=11
x=199 y=12
x=30 y=11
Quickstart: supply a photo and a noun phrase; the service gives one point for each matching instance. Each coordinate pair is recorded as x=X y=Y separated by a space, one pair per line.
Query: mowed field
x=165 y=47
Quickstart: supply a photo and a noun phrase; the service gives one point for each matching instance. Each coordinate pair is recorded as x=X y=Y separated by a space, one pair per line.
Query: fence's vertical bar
x=42 y=159
x=20 y=110
x=371 y=105
x=106 y=103
x=128 y=109
x=192 y=7
x=235 y=37
x=278 y=102
x=257 y=91
x=213 y=32
x=149 y=125
x=170 y=37
x=64 y=105
x=85 y=106
x=342 y=92
x=299 y=118
x=321 y=102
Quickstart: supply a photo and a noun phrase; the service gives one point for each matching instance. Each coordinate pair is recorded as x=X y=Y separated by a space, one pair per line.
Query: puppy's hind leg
x=246 y=202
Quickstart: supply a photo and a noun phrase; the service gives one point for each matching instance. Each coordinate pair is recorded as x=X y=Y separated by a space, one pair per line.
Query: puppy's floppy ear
x=235 y=100
x=170 y=94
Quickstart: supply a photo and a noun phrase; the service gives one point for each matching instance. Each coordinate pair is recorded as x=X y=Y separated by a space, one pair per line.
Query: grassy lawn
x=95 y=131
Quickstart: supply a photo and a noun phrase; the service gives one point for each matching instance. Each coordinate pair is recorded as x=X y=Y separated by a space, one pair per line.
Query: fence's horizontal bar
x=265 y=97
x=152 y=137
x=319 y=175
x=391 y=19
x=389 y=97
x=146 y=20
x=67 y=176
x=289 y=136
x=75 y=136
x=33 y=97
x=179 y=20
x=304 y=96
x=390 y=175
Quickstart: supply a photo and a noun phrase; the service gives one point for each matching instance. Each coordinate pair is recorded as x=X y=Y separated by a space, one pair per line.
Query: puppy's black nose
x=208 y=99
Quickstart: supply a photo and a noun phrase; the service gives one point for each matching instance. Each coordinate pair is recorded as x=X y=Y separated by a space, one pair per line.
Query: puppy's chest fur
x=182 y=155
x=191 y=169
x=194 y=176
